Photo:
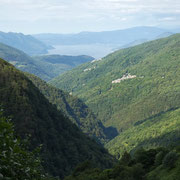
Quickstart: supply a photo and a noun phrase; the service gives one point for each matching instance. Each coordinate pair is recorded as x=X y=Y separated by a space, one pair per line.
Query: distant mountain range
x=100 y=44
x=136 y=90
x=96 y=44
x=25 y=43
x=118 y=37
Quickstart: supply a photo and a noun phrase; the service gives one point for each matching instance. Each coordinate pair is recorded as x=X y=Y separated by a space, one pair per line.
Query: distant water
x=94 y=50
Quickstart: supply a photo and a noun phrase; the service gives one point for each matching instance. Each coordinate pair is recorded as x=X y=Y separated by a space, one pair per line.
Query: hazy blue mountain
x=99 y=44
x=26 y=43
x=176 y=30
x=120 y=37
x=163 y=35
x=131 y=44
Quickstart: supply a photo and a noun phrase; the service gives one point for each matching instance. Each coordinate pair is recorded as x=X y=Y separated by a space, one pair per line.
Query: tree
x=170 y=159
x=16 y=162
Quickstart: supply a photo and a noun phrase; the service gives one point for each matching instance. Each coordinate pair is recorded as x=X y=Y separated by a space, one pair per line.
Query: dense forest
x=16 y=161
x=152 y=164
x=63 y=144
x=46 y=67
x=116 y=118
x=55 y=65
x=136 y=90
x=22 y=61
x=75 y=109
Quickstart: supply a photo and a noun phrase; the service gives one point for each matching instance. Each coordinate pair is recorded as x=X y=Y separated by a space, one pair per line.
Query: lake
x=94 y=50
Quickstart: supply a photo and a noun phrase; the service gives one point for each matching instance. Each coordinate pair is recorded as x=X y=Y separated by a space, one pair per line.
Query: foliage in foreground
x=16 y=162
x=153 y=164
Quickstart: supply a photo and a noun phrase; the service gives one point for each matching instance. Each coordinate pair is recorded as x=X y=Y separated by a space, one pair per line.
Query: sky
x=72 y=16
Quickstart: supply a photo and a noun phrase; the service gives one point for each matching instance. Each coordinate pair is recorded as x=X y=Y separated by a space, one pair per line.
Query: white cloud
x=167 y=19
x=91 y=14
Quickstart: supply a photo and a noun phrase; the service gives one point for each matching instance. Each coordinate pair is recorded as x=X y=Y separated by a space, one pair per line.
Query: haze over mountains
x=96 y=44
x=105 y=37
x=26 y=43
x=104 y=42
x=125 y=101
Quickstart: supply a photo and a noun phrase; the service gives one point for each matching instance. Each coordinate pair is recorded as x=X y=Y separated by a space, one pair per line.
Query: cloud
x=167 y=19
x=63 y=15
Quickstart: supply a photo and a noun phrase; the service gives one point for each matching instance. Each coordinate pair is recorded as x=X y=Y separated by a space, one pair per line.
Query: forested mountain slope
x=55 y=65
x=22 y=61
x=25 y=43
x=75 y=109
x=63 y=144
x=45 y=67
x=131 y=86
x=162 y=130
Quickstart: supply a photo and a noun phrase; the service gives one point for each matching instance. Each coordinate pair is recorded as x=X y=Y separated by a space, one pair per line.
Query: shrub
x=170 y=159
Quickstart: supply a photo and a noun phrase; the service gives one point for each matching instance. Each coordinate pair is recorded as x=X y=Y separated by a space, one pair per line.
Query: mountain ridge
x=154 y=88
x=25 y=43
x=121 y=37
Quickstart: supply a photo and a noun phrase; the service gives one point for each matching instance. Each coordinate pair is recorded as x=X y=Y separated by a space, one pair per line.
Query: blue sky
x=71 y=16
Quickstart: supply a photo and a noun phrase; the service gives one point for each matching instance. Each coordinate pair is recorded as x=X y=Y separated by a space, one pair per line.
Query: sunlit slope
x=161 y=130
x=46 y=67
x=151 y=83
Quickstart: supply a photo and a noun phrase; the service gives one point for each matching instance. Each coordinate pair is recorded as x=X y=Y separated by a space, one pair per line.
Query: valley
x=111 y=114
x=130 y=88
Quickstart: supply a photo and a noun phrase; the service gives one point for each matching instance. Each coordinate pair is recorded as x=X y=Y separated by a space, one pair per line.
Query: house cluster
x=89 y=69
x=125 y=77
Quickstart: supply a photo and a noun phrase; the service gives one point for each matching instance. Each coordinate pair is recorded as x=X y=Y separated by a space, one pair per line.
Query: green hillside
x=63 y=144
x=45 y=67
x=25 y=43
x=22 y=61
x=148 y=87
x=55 y=65
x=75 y=109
x=161 y=130
x=16 y=161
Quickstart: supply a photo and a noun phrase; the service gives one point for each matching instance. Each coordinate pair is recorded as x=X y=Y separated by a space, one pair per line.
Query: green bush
x=15 y=161
x=170 y=159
